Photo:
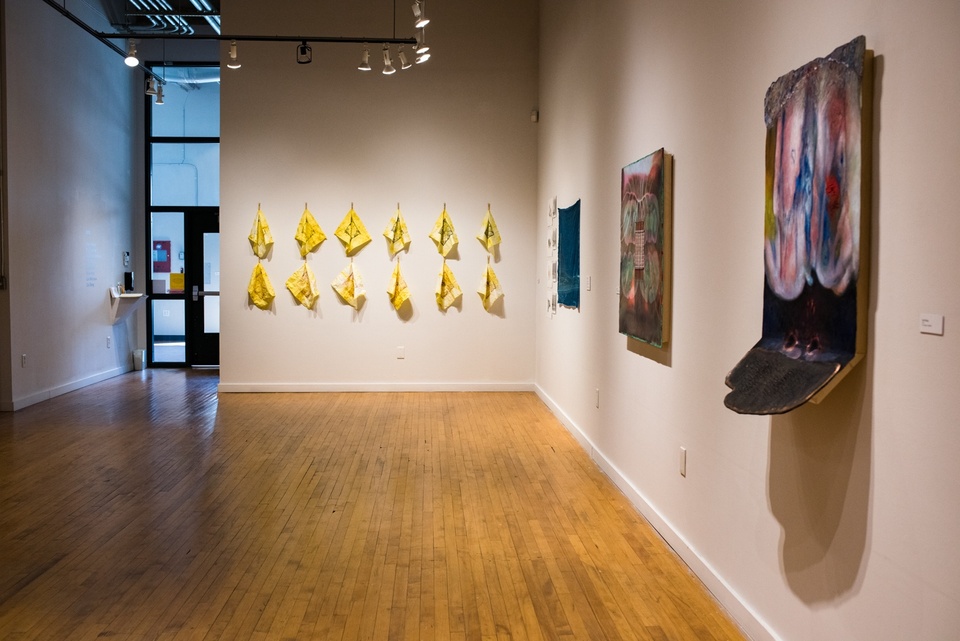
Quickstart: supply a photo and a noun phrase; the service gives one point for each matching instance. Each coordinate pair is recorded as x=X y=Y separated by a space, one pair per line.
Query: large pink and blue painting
x=644 y=304
x=812 y=228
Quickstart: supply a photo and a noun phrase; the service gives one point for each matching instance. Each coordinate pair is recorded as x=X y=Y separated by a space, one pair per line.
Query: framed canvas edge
x=667 y=256
x=665 y=332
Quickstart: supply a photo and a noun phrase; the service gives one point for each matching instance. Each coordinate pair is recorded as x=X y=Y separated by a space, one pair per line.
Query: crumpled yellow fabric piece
x=260 y=290
x=349 y=285
x=261 y=240
x=443 y=233
x=397 y=290
x=309 y=235
x=396 y=232
x=303 y=285
x=490 y=235
x=352 y=232
x=448 y=291
x=489 y=290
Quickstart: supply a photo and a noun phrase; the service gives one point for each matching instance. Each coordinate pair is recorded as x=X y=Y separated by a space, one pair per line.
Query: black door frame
x=203 y=349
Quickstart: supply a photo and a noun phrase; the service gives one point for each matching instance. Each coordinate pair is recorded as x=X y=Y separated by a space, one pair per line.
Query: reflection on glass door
x=168 y=314
x=211 y=283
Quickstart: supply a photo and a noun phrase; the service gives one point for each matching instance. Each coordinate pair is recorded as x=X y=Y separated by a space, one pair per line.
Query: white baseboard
x=47 y=394
x=229 y=388
x=748 y=620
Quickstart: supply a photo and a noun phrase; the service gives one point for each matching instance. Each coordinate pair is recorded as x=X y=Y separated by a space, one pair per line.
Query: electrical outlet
x=109 y=342
x=683 y=462
x=23 y=360
x=401 y=352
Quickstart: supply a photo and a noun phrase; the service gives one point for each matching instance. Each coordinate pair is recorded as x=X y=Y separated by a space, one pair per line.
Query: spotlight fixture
x=304 y=53
x=387 y=62
x=404 y=63
x=422 y=46
x=422 y=58
x=159 y=94
x=151 y=86
x=365 y=59
x=418 y=13
x=233 y=62
x=131 y=58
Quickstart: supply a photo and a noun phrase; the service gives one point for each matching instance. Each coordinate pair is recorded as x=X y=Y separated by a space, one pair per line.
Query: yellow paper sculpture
x=490 y=236
x=352 y=232
x=303 y=286
x=397 y=290
x=309 y=235
x=489 y=290
x=448 y=291
x=443 y=234
x=260 y=290
x=260 y=237
x=396 y=232
x=349 y=285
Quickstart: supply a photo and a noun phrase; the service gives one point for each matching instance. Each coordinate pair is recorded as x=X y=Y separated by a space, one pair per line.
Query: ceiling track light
x=304 y=53
x=151 y=89
x=422 y=58
x=233 y=62
x=131 y=59
x=422 y=47
x=421 y=20
x=159 y=94
x=365 y=59
x=388 y=68
x=404 y=63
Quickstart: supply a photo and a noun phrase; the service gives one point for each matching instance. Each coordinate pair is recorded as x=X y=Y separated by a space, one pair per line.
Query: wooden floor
x=146 y=507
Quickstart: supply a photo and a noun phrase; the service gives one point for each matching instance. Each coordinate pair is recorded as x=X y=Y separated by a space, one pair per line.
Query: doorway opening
x=183 y=231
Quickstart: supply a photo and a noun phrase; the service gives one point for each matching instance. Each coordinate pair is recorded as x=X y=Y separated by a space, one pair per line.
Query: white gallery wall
x=73 y=203
x=456 y=130
x=836 y=521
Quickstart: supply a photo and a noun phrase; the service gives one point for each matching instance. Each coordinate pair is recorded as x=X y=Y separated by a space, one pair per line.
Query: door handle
x=197 y=293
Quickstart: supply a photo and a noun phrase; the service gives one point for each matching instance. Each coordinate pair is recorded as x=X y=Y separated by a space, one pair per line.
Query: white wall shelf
x=122 y=305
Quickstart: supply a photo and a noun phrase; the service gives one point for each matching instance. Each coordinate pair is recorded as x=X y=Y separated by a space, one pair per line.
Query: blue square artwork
x=568 y=241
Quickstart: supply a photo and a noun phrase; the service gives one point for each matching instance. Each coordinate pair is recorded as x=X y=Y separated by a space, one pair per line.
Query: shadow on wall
x=821 y=456
x=819 y=490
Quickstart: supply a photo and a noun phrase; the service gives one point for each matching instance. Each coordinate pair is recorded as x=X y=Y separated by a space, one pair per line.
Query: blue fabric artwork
x=568 y=241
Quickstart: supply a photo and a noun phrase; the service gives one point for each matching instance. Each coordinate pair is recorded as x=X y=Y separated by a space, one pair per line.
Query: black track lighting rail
x=249 y=38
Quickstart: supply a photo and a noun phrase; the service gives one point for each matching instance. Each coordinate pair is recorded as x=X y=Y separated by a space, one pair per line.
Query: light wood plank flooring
x=146 y=507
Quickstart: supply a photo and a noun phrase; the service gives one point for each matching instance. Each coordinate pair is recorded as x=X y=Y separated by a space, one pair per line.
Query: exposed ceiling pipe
x=162 y=12
x=158 y=22
x=182 y=25
x=213 y=21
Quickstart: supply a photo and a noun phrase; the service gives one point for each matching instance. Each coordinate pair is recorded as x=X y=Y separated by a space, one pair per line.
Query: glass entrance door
x=185 y=287
x=203 y=288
